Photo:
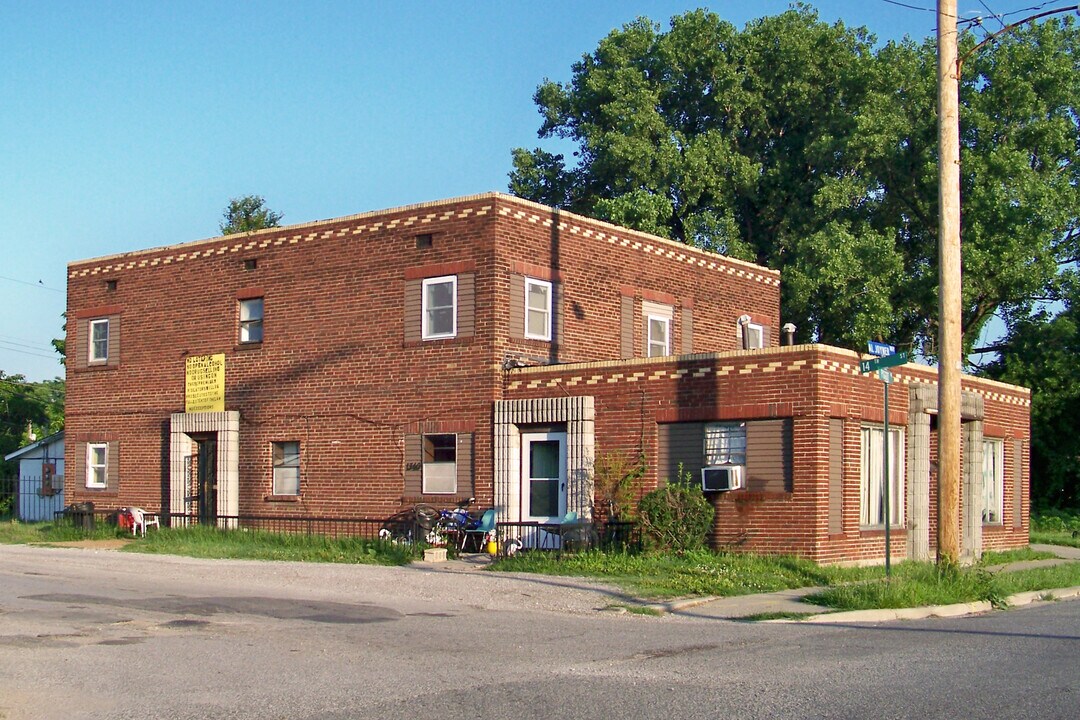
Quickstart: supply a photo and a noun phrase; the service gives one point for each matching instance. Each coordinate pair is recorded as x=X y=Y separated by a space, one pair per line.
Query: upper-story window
x=537 y=309
x=439 y=307
x=659 y=339
x=251 y=320
x=99 y=341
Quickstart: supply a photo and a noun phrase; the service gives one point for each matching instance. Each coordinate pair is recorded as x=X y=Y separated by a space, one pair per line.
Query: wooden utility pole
x=949 y=303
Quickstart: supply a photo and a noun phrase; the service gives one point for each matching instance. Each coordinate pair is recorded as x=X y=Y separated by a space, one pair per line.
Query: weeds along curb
x=1017 y=600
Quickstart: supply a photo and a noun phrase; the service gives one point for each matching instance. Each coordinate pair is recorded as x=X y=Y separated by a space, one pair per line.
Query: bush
x=676 y=517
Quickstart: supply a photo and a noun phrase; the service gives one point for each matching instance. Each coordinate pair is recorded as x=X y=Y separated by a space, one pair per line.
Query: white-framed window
x=537 y=309
x=725 y=443
x=993 y=477
x=659 y=340
x=872 y=477
x=439 y=299
x=251 y=320
x=286 y=468
x=98 y=347
x=97 y=465
x=440 y=464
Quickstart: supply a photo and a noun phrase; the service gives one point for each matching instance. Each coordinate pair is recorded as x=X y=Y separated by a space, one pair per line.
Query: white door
x=543 y=473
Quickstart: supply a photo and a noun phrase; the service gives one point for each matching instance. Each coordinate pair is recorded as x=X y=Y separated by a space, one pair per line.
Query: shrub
x=676 y=517
x=615 y=477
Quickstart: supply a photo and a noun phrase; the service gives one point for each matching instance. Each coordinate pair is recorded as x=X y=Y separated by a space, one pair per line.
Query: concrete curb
x=1017 y=600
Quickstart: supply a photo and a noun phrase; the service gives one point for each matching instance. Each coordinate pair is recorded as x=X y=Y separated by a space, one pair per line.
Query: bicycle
x=442 y=526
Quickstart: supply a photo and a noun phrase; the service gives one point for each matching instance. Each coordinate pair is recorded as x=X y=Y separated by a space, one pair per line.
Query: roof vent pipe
x=788 y=331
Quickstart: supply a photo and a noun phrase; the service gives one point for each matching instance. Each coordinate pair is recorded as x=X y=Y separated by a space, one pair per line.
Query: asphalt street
x=102 y=634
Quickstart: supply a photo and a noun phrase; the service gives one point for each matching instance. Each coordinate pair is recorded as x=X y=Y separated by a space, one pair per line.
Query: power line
x=39 y=285
x=24 y=352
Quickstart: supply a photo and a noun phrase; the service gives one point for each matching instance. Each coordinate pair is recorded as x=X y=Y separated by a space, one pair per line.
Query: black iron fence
x=24 y=500
x=512 y=537
x=398 y=528
x=31 y=499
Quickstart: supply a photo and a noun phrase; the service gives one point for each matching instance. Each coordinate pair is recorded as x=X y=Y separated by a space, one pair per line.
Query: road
x=96 y=634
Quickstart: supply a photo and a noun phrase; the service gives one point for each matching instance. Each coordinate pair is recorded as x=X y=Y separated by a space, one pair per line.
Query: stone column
x=922 y=400
x=971 y=483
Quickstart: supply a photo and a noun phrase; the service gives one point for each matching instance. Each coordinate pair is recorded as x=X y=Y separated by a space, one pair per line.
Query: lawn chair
x=140 y=519
x=487 y=524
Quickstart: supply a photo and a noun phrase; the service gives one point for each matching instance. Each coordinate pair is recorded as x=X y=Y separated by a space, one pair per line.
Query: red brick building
x=487 y=346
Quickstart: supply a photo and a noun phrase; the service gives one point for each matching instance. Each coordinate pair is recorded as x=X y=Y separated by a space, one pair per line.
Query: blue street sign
x=884 y=375
x=880 y=349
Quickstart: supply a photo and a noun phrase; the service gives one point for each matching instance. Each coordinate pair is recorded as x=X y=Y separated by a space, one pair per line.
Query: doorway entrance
x=204 y=477
x=204 y=482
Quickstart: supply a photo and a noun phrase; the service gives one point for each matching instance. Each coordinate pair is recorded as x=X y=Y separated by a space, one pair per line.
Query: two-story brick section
x=488 y=346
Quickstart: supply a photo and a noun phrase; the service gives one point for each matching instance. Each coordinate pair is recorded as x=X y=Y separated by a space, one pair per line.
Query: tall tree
x=1041 y=352
x=799 y=145
x=248 y=213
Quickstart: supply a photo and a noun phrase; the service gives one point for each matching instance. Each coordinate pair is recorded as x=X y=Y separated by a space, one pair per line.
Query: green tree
x=1041 y=352
x=802 y=146
x=23 y=405
x=248 y=213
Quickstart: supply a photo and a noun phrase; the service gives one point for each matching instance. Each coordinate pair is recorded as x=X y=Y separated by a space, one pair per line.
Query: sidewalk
x=790 y=601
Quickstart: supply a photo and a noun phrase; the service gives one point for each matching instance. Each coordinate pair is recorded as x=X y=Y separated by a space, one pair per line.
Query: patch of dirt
x=92 y=544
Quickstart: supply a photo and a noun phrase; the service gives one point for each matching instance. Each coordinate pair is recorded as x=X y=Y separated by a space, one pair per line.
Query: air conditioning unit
x=717 y=478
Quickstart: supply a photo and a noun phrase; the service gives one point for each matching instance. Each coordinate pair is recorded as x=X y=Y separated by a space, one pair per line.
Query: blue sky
x=128 y=125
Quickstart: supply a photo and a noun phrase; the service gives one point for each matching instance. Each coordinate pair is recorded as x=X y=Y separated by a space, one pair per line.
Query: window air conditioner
x=717 y=478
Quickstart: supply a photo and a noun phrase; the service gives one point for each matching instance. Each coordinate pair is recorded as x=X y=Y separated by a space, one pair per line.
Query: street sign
x=880 y=349
x=884 y=376
x=866 y=366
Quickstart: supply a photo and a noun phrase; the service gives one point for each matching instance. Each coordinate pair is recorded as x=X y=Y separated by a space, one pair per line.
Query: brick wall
x=339 y=368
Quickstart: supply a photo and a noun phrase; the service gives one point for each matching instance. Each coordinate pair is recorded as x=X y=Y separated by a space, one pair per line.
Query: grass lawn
x=214 y=543
x=661 y=576
x=13 y=532
x=1056 y=527
x=668 y=575
x=257 y=545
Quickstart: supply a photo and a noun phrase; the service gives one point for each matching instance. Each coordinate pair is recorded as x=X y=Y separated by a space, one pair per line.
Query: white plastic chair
x=140 y=519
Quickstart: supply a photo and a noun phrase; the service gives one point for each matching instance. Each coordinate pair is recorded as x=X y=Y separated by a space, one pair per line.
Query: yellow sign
x=205 y=383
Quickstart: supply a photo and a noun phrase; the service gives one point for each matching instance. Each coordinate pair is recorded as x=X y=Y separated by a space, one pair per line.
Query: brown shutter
x=466 y=304
x=766 y=336
x=557 y=312
x=680 y=443
x=1018 y=483
x=517 y=306
x=114 y=341
x=465 y=464
x=112 y=469
x=78 y=468
x=81 y=346
x=414 y=465
x=627 y=327
x=414 y=310
x=768 y=455
x=836 y=476
x=687 y=318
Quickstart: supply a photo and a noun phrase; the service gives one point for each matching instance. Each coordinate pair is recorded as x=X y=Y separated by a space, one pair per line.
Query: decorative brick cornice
x=741 y=363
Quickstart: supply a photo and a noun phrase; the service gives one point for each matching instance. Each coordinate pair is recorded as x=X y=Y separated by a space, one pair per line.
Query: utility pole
x=949 y=303
x=950 y=333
